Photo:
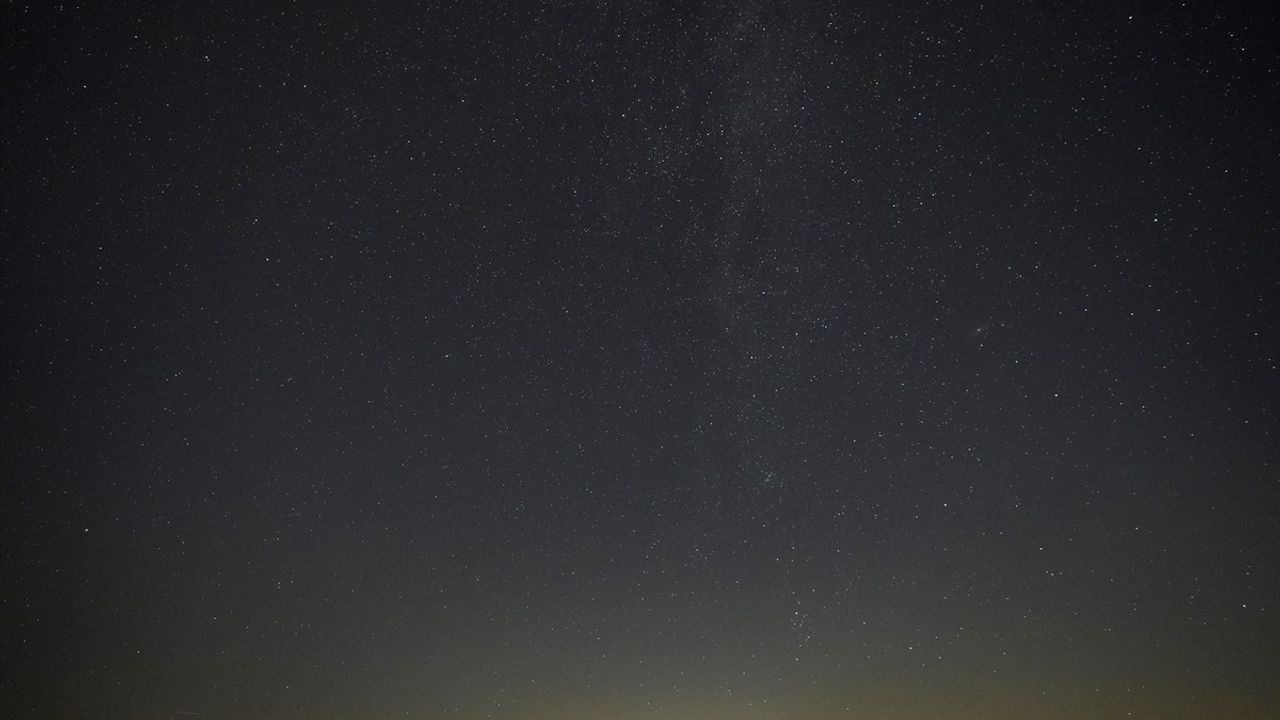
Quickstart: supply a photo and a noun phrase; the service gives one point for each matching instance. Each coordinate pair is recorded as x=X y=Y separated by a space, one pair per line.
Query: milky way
x=639 y=360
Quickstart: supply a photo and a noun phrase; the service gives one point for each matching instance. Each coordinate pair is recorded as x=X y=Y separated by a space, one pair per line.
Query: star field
x=711 y=360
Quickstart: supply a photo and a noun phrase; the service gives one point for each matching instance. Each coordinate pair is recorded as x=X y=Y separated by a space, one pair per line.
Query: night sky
x=624 y=360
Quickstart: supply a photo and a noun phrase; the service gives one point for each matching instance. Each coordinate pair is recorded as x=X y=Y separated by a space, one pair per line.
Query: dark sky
x=626 y=360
